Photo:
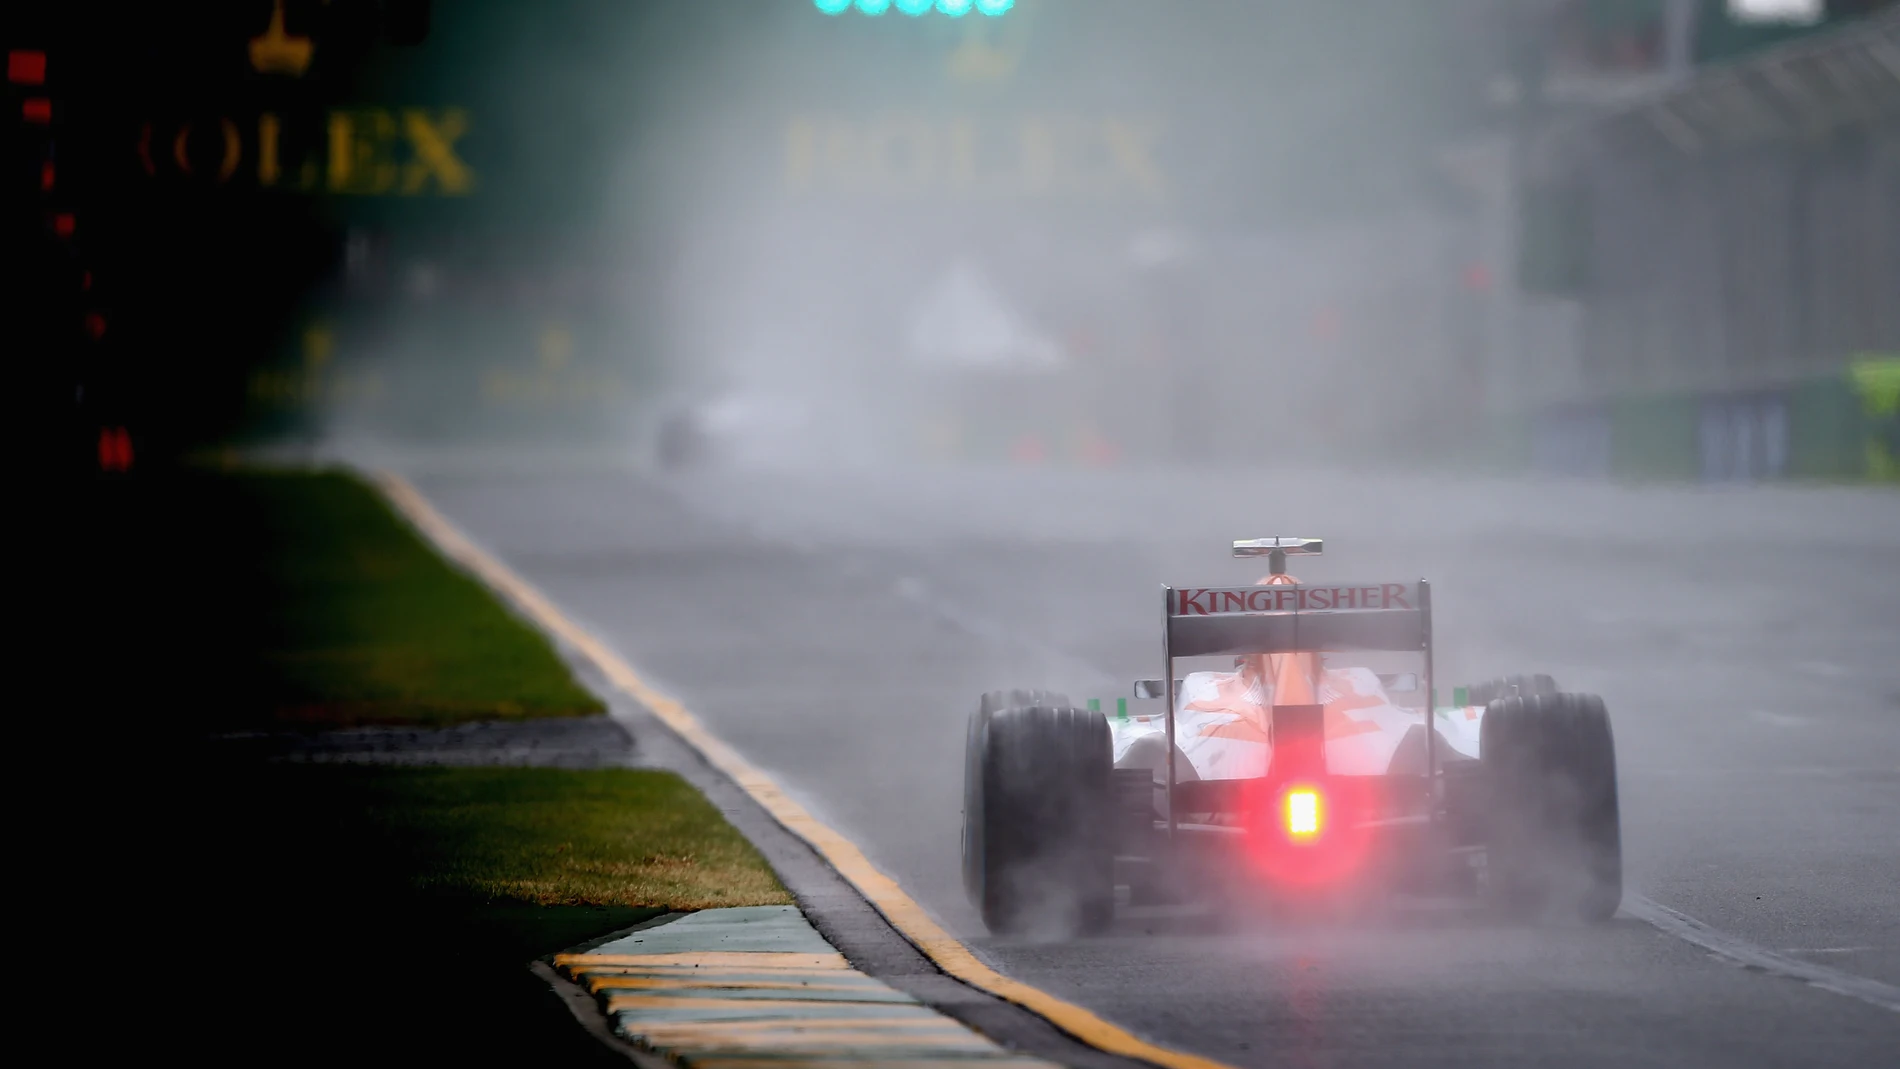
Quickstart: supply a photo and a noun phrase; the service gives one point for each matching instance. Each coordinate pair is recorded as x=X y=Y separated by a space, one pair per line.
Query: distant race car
x=1305 y=774
x=749 y=429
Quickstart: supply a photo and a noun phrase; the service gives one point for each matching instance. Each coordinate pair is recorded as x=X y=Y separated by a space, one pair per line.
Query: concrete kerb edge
x=585 y=1009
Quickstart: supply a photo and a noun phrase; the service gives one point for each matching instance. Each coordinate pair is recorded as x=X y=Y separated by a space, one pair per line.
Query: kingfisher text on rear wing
x=1206 y=621
x=1288 y=597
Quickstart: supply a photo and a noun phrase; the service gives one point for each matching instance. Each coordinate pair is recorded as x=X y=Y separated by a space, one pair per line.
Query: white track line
x=1744 y=953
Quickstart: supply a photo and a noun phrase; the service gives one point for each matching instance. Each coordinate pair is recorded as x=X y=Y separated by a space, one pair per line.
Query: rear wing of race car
x=1284 y=617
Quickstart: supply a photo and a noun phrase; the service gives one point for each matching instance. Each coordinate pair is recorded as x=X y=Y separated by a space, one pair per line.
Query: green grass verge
x=321 y=912
x=540 y=836
x=299 y=600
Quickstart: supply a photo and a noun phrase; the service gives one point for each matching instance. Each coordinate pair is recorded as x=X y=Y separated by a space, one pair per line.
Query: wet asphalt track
x=837 y=629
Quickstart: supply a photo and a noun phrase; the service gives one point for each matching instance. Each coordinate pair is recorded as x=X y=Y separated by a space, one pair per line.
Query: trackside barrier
x=1841 y=425
x=1876 y=381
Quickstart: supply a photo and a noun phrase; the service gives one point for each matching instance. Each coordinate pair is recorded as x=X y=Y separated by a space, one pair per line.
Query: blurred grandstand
x=1641 y=237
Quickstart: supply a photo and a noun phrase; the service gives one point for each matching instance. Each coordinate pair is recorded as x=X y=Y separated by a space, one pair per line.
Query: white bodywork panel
x=1221 y=721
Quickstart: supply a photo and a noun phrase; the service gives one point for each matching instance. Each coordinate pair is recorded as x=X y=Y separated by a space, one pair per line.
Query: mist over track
x=836 y=627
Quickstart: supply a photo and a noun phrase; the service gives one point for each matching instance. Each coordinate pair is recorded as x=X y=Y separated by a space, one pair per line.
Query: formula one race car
x=1315 y=769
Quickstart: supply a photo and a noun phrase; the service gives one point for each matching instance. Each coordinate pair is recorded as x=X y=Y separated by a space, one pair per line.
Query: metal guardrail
x=1803 y=89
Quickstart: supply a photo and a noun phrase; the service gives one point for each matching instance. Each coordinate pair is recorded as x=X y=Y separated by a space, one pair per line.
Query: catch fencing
x=1740 y=259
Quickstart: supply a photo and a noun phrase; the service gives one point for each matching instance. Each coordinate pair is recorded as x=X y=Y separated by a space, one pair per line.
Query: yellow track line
x=842 y=854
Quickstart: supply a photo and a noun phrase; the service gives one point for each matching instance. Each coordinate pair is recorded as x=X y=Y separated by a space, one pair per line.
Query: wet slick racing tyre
x=973 y=755
x=1555 y=847
x=973 y=750
x=1038 y=833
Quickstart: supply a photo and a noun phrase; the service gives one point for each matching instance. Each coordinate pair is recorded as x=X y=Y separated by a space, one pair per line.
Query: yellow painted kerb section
x=842 y=854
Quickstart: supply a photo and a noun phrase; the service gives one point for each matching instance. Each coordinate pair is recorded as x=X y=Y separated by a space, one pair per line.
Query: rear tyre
x=973 y=750
x=1039 y=838
x=1555 y=845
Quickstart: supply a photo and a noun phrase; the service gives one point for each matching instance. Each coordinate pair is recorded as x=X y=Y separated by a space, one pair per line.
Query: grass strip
x=536 y=836
x=318 y=912
x=299 y=600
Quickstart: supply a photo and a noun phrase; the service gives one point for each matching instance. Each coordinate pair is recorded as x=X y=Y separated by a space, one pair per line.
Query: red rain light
x=36 y=110
x=1304 y=833
x=46 y=177
x=1304 y=814
x=26 y=67
x=64 y=224
x=115 y=449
